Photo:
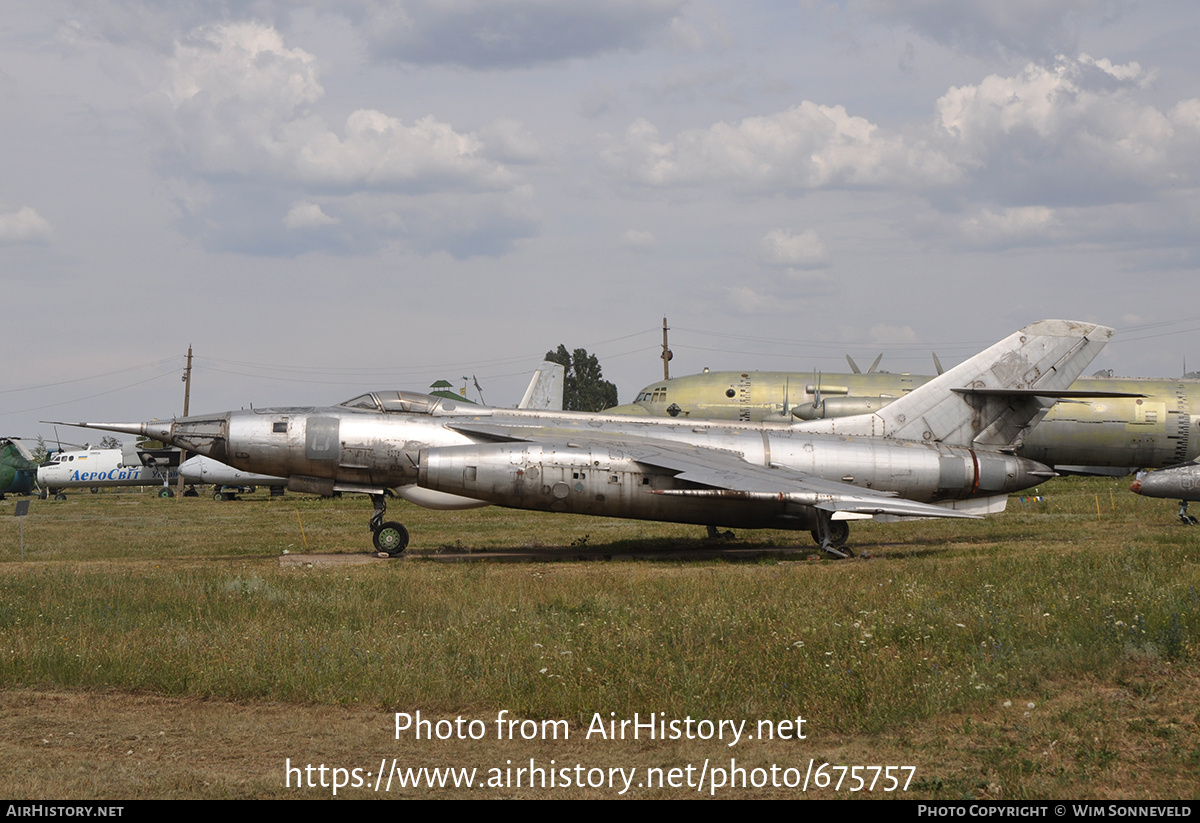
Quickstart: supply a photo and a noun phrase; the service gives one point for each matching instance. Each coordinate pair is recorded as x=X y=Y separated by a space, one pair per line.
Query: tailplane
x=990 y=400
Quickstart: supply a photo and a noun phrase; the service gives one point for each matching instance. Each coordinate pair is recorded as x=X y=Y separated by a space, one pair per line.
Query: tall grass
x=186 y=598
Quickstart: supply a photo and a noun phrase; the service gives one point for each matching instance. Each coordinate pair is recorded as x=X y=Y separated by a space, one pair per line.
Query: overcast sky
x=328 y=197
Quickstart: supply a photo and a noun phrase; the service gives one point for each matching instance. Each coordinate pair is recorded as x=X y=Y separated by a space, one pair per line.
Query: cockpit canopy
x=395 y=401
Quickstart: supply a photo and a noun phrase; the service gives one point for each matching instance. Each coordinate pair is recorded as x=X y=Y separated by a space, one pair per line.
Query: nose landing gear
x=390 y=538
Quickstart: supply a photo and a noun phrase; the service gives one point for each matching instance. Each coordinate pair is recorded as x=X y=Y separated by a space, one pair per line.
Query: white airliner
x=93 y=468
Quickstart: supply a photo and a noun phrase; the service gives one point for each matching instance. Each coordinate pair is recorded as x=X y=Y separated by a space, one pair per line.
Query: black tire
x=839 y=533
x=218 y=496
x=60 y=496
x=164 y=493
x=391 y=538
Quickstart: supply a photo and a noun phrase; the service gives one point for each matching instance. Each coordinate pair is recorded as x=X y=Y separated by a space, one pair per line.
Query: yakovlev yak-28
x=943 y=450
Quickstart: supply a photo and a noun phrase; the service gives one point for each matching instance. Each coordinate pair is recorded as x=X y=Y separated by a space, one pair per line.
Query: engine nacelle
x=840 y=407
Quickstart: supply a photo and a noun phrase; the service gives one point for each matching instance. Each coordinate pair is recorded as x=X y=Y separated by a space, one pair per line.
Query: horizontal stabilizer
x=1054 y=395
x=990 y=400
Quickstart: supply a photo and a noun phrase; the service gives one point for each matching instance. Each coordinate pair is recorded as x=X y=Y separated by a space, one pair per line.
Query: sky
x=322 y=198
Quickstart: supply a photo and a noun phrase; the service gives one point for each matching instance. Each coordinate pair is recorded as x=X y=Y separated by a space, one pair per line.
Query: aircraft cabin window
x=363 y=401
x=279 y=428
x=406 y=401
x=394 y=401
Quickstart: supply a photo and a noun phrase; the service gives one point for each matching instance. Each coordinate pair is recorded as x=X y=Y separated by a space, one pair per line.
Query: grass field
x=158 y=648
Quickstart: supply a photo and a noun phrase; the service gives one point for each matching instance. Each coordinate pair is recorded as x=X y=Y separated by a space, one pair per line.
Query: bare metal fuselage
x=1159 y=429
x=451 y=455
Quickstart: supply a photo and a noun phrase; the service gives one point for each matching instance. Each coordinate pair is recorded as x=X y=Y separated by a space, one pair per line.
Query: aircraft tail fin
x=992 y=399
x=545 y=390
x=20 y=455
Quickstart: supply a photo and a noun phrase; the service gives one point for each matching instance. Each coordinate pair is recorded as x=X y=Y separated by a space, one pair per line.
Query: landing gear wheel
x=839 y=533
x=1184 y=517
x=165 y=493
x=218 y=496
x=95 y=490
x=60 y=496
x=831 y=536
x=191 y=492
x=391 y=538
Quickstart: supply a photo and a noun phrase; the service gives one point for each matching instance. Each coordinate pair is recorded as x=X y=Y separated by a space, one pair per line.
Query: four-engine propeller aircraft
x=944 y=450
x=1116 y=426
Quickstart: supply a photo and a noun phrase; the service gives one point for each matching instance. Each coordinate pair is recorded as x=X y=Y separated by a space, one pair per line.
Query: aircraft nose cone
x=1136 y=487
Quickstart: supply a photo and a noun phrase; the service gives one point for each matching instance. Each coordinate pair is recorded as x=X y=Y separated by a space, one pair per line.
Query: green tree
x=584 y=386
x=41 y=454
x=110 y=442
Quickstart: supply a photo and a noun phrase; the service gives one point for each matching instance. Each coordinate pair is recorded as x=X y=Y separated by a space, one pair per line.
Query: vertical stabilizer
x=990 y=400
x=545 y=392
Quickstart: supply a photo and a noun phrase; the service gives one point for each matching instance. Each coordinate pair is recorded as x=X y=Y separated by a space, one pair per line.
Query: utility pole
x=187 y=397
x=666 y=353
x=187 y=382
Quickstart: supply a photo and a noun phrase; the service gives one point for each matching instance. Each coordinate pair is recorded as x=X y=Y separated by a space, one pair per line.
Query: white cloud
x=306 y=215
x=242 y=104
x=511 y=142
x=808 y=146
x=24 y=226
x=1008 y=227
x=637 y=240
x=783 y=249
x=1073 y=130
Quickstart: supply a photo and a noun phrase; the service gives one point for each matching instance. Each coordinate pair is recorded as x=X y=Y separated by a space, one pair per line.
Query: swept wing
x=722 y=474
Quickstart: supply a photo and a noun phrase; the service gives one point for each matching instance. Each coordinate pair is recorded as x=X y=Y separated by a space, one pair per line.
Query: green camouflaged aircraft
x=18 y=472
x=1150 y=423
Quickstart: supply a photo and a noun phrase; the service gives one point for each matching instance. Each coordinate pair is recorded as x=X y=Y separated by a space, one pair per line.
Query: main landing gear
x=391 y=538
x=1184 y=517
x=831 y=535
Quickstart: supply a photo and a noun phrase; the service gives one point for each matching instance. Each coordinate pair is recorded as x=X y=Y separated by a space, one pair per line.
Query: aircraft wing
x=726 y=474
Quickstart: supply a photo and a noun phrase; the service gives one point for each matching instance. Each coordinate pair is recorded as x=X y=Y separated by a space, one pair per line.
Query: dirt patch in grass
x=1134 y=737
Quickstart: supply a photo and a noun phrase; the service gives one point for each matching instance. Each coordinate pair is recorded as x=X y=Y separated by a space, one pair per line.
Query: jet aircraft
x=226 y=480
x=944 y=450
x=18 y=472
x=1179 y=482
x=1114 y=427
